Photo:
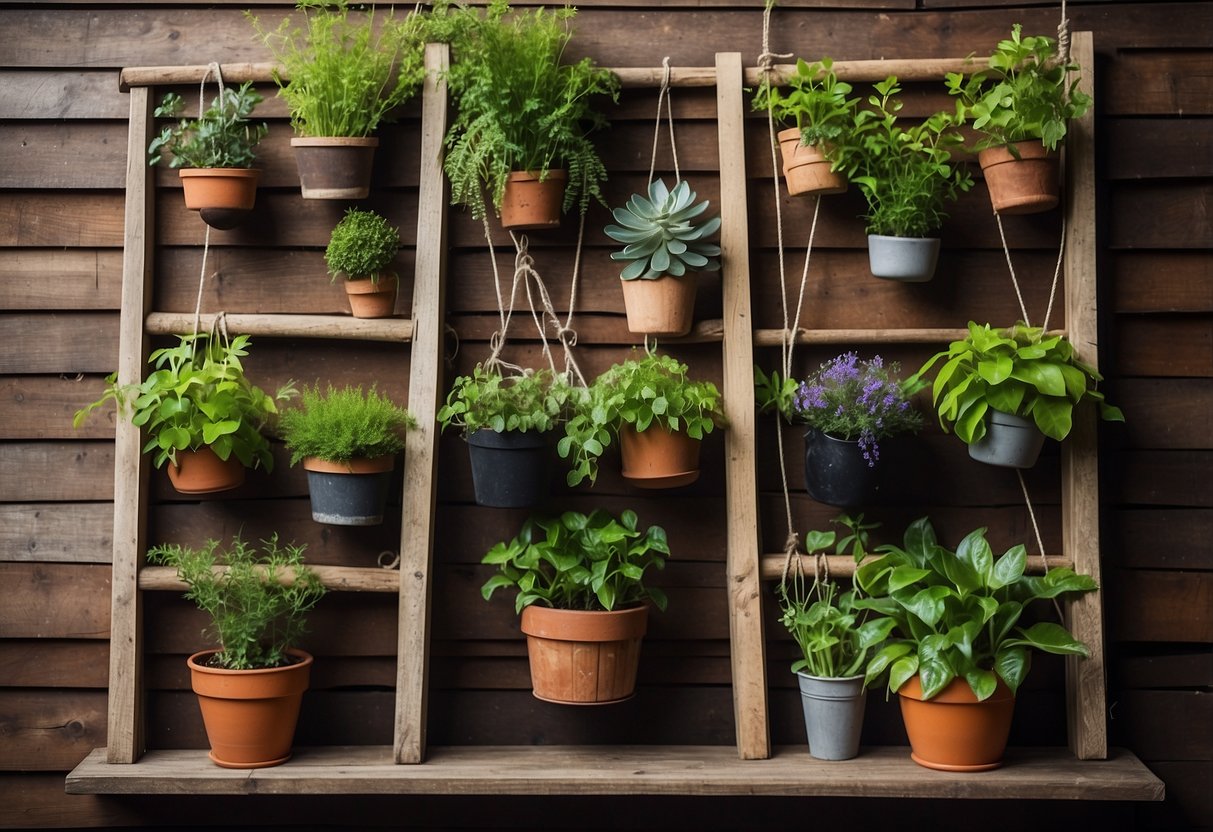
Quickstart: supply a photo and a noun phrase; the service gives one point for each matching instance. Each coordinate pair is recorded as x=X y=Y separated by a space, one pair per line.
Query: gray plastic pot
x=1010 y=442
x=349 y=493
x=510 y=469
x=908 y=259
x=833 y=714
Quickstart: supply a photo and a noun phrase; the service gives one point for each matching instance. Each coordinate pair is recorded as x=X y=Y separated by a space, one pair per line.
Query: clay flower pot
x=348 y=493
x=806 y=170
x=665 y=306
x=202 y=472
x=223 y=197
x=583 y=657
x=953 y=731
x=335 y=167
x=530 y=204
x=372 y=298
x=1023 y=185
x=658 y=458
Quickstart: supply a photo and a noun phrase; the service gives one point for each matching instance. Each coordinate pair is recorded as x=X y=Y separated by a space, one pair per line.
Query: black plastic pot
x=835 y=472
x=348 y=495
x=510 y=469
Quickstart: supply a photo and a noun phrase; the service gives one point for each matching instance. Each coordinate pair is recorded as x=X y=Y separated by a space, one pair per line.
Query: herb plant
x=1021 y=371
x=1027 y=94
x=815 y=101
x=957 y=612
x=575 y=562
x=340 y=425
x=518 y=107
x=362 y=245
x=198 y=396
x=660 y=236
x=257 y=598
x=345 y=72
x=905 y=172
x=653 y=390
x=222 y=138
x=537 y=400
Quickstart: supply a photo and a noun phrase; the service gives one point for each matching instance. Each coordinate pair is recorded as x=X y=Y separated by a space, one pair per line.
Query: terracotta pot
x=806 y=170
x=335 y=167
x=583 y=657
x=657 y=458
x=223 y=197
x=202 y=472
x=530 y=204
x=250 y=715
x=953 y=731
x=372 y=299
x=1027 y=185
x=350 y=493
x=665 y=306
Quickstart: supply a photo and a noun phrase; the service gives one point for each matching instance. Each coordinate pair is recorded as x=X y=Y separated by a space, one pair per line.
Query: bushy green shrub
x=535 y=401
x=361 y=245
x=340 y=425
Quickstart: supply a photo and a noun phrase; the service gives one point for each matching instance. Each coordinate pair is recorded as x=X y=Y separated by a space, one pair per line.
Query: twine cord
x=663 y=94
x=211 y=69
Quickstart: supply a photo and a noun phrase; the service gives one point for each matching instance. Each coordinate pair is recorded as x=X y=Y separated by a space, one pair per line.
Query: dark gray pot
x=348 y=499
x=1010 y=442
x=835 y=472
x=833 y=715
x=908 y=259
x=510 y=469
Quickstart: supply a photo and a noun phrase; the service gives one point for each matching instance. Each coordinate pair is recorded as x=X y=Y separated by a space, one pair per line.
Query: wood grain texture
x=61 y=93
x=1175 y=215
x=47 y=663
x=1162 y=538
x=1144 y=345
x=1162 y=281
x=1171 y=142
x=70 y=219
x=396 y=330
x=37 y=279
x=1155 y=82
x=55 y=600
x=1166 y=414
x=56 y=471
x=49 y=730
x=56 y=532
x=1155 y=606
x=69 y=342
x=42 y=407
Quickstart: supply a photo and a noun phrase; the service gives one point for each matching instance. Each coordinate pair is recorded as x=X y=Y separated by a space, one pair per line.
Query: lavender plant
x=856 y=399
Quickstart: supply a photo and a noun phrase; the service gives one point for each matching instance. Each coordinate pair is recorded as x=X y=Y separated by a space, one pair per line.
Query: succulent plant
x=660 y=236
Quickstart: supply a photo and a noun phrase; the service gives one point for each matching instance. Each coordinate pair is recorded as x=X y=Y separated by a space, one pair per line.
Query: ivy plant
x=362 y=245
x=536 y=400
x=579 y=562
x=338 y=425
x=222 y=138
x=815 y=101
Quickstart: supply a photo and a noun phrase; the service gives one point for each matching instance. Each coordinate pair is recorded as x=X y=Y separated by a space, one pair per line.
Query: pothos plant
x=535 y=400
x=198 y=396
x=815 y=101
x=579 y=562
x=223 y=137
x=652 y=391
x=660 y=234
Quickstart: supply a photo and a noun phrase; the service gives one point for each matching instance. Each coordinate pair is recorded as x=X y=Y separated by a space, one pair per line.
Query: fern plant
x=340 y=425
x=361 y=245
x=222 y=138
x=660 y=235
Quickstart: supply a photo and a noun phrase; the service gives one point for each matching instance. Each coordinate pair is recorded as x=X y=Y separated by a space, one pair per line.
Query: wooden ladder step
x=843 y=566
x=399 y=330
x=338 y=578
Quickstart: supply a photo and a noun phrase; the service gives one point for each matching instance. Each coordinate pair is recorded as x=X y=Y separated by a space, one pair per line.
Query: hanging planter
x=660 y=306
x=335 y=167
x=510 y=469
x=350 y=493
x=583 y=658
x=806 y=169
x=908 y=259
x=833 y=714
x=532 y=201
x=1023 y=181
x=202 y=472
x=658 y=457
x=1010 y=441
x=953 y=731
x=221 y=196
x=361 y=248
x=836 y=473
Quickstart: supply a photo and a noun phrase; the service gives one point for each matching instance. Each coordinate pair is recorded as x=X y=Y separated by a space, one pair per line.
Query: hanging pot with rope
x=533 y=199
x=1021 y=178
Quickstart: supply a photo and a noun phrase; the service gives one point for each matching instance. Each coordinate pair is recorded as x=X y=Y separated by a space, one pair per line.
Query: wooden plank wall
x=62 y=146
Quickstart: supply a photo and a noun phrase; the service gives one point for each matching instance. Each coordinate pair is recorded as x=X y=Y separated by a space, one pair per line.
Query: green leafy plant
x=343 y=424
x=641 y=393
x=257 y=597
x=815 y=101
x=1022 y=371
x=536 y=400
x=660 y=236
x=222 y=138
x=575 y=562
x=518 y=107
x=905 y=173
x=1027 y=94
x=834 y=635
x=957 y=612
x=343 y=72
x=362 y=245
x=198 y=396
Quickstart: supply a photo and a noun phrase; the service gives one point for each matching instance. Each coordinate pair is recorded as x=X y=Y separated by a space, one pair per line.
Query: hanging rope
x=663 y=94
x=1063 y=36
x=211 y=69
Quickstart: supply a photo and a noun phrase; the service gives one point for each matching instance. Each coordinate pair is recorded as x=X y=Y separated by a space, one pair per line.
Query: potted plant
x=664 y=247
x=251 y=687
x=214 y=154
x=523 y=118
x=907 y=177
x=835 y=638
x=581 y=593
x=960 y=655
x=341 y=74
x=850 y=405
x=201 y=414
x=816 y=101
x=360 y=249
x=1021 y=107
x=1004 y=391
x=348 y=440
x=659 y=415
x=507 y=423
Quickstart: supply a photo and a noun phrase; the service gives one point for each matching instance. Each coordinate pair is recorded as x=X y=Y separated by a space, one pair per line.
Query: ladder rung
x=289 y=326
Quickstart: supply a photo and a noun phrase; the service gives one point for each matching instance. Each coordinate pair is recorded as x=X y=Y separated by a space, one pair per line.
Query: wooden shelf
x=289 y=326
x=843 y=566
x=774 y=337
x=337 y=578
x=1029 y=774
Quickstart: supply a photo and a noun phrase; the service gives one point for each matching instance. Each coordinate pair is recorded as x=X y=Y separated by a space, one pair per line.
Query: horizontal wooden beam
x=289 y=326
x=774 y=337
x=338 y=578
x=843 y=566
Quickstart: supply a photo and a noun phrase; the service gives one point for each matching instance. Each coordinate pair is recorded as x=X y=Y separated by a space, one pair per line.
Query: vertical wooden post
x=125 y=731
x=741 y=495
x=421 y=447
x=1085 y=678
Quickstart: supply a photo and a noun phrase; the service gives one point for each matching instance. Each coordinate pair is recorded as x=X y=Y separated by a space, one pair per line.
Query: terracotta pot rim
x=593 y=626
x=1030 y=150
x=334 y=141
x=227 y=173
x=357 y=465
x=537 y=176
x=368 y=286
x=956 y=692
x=195 y=664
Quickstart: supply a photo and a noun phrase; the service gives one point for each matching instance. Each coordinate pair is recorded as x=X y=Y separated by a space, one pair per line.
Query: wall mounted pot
x=202 y=472
x=250 y=715
x=663 y=306
x=908 y=259
x=835 y=472
x=1026 y=184
x=1010 y=441
x=335 y=167
x=583 y=657
x=658 y=458
x=833 y=714
x=806 y=170
x=511 y=469
x=953 y=731
x=348 y=493
x=532 y=204
x=223 y=197
x=372 y=298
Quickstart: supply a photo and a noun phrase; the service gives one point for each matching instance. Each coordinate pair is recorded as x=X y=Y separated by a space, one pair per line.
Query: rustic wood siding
x=62 y=157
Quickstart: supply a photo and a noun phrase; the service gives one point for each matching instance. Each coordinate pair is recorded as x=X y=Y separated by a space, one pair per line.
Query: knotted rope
x=663 y=94
x=211 y=69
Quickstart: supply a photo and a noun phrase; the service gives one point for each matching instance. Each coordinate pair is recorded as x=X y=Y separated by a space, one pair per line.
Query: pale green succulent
x=660 y=236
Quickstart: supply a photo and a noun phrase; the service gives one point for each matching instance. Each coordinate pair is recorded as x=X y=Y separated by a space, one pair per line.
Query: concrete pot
x=908 y=259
